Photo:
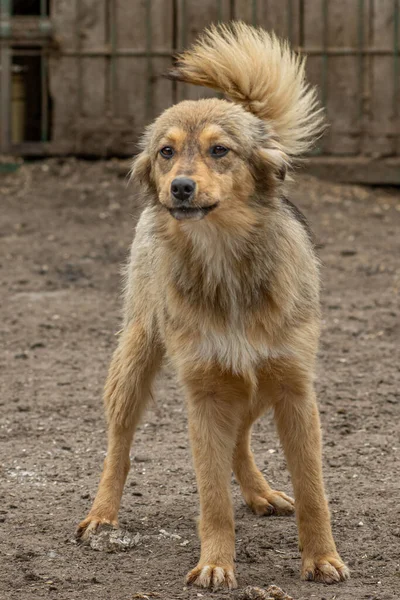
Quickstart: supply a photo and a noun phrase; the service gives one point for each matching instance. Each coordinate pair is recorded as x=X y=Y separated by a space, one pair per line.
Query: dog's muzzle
x=183 y=192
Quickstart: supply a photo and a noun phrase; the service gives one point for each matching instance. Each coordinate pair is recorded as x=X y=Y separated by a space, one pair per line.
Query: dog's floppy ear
x=141 y=169
x=141 y=165
x=274 y=159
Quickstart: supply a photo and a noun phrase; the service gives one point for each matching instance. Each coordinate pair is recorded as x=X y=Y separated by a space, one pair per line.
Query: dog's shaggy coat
x=223 y=280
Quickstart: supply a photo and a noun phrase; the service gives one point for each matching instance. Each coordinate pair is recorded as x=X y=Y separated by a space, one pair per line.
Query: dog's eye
x=218 y=151
x=167 y=152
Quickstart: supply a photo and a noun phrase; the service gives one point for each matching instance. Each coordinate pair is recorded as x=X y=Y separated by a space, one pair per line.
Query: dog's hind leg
x=127 y=389
x=258 y=495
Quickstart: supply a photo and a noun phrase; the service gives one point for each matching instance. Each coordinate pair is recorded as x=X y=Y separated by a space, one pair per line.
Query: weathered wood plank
x=193 y=17
x=92 y=23
x=356 y=169
x=142 y=91
x=381 y=139
x=63 y=75
x=312 y=37
x=63 y=18
x=281 y=17
x=342 y=101
x=162 y=89
x=63 y=82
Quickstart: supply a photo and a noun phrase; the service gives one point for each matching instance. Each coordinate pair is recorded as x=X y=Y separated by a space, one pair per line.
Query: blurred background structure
x=84 y=77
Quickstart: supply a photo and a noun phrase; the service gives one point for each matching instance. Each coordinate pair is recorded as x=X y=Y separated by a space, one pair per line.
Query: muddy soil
x=65 y=229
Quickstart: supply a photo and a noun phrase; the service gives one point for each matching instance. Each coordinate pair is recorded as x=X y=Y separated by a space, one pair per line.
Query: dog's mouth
x=193 y=213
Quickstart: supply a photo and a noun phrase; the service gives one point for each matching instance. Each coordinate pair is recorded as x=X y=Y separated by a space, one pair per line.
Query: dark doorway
x=30 y=110
x=30 y=7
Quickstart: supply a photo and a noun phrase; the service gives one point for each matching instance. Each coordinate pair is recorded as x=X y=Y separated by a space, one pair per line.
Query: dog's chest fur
x=215 y=295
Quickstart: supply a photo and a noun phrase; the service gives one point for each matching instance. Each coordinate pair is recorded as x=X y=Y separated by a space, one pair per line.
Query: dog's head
x=206 y=156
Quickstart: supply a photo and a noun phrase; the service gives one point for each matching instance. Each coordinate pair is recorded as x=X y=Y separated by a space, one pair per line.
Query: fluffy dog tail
x=260 y=72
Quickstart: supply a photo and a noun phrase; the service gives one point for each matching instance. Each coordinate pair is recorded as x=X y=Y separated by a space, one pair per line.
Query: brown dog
x=223 y=279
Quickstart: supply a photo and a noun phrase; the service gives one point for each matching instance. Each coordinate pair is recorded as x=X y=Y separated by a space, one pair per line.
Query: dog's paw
x=212 y=576
x=90 y=525
x=272 y=503
x=325 y=569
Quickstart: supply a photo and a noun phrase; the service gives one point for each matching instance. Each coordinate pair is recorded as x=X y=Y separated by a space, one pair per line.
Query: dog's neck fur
x=220 y=263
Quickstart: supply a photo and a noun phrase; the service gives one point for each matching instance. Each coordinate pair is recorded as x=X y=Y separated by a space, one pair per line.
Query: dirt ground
x=65 y=229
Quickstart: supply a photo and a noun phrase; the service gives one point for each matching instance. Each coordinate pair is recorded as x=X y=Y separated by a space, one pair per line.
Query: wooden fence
x=101 y=63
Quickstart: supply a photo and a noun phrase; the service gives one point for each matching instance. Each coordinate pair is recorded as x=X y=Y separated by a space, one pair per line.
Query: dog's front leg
x=297 y=419
x=215 y=404
x=127 y=388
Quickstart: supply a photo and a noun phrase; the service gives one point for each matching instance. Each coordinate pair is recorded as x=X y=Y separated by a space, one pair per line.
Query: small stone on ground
x=113 y=540
x=271 y=593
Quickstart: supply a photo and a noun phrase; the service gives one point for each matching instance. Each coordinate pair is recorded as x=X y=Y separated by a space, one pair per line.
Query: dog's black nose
x=182 y=188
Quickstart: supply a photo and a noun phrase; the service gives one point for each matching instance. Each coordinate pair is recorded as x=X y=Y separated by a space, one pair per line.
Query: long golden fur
x=223 y=280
